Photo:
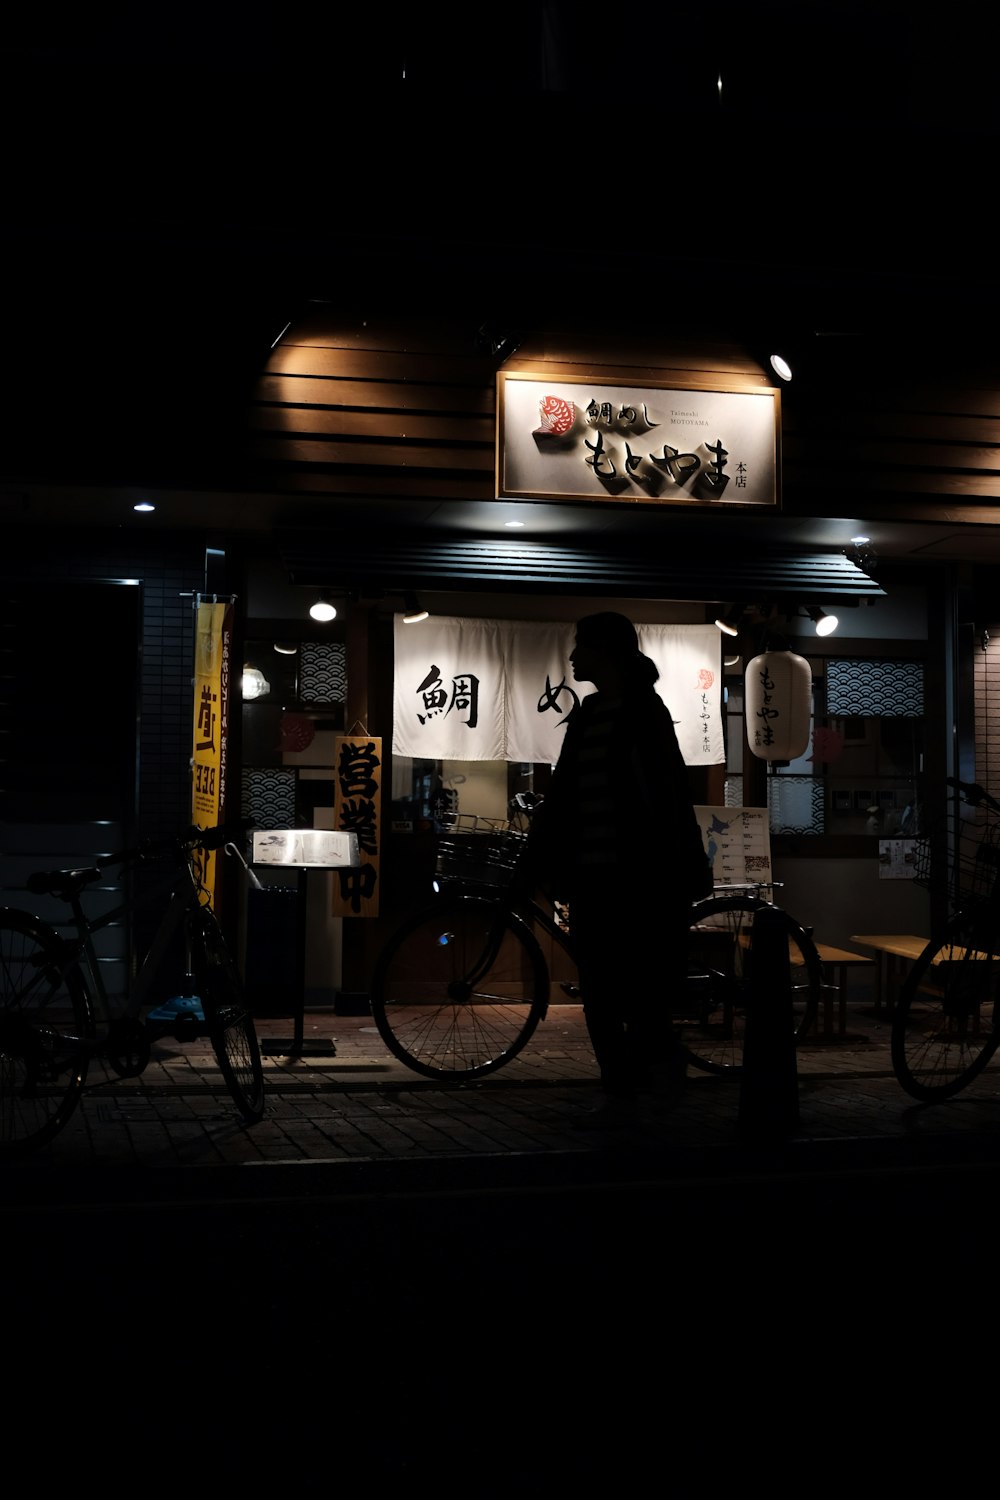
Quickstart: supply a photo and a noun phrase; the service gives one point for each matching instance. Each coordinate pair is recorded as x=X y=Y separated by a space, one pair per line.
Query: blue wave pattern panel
x=322 y=672
x=796 y=804
x=269 y=797
x=891 y=689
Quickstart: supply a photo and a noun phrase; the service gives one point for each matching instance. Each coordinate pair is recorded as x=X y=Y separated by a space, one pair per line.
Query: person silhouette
x=617 y=838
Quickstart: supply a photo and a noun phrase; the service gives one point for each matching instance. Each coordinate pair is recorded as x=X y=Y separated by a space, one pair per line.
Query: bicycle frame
x=57 y=1015
x=81 y=950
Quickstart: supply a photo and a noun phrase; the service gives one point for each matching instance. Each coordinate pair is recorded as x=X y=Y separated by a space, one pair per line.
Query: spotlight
x=729 y=621
x=412 y=612
x=825 y=624
x=779 y=364
x=498 y=339
x=323 y=610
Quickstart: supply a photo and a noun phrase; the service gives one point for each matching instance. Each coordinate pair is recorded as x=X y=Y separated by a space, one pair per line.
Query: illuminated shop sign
x=576 y=439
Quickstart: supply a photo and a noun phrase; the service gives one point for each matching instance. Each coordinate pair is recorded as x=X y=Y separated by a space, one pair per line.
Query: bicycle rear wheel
x=943 y=1020
x=459 y=989
x=230 y=1025
x=721 y=980
x=46 y=1032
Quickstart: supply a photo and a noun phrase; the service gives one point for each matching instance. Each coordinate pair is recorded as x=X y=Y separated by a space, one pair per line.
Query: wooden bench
x=896 y=952
x=839 y=960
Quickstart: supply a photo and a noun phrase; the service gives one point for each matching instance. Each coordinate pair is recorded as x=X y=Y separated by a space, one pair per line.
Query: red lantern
x=778 y=705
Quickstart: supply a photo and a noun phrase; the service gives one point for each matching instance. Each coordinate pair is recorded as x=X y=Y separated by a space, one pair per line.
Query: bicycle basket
x=960 y=858
x=477 y=849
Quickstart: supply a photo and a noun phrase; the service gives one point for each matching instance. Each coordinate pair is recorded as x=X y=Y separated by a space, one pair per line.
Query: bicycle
x=943 y=1032
x=461 y=986
x=55 y=1011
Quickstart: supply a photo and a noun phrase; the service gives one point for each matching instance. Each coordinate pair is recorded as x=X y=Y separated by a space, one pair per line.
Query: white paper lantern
x=778 y=705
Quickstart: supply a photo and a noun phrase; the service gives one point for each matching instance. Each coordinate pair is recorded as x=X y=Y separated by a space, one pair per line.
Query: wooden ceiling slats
x=407 y=410
x=851 y=454
x=341 y=422
x=696 y=371
x=888 y=425
x=398 y=560
x=415 y=484
x=397 y=395
x=381 y=364
x=401 y=456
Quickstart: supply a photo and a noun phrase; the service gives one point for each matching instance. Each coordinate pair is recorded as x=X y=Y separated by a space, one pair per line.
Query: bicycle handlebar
x=974 y=794
x=185 y=843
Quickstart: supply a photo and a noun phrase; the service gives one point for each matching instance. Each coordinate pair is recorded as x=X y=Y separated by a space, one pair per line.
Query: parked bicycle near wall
x=460 y=988
x=943 y=1020
x=55 y=1012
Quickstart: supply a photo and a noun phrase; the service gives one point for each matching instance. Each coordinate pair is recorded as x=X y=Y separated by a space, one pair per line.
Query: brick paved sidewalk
x=361 y=1105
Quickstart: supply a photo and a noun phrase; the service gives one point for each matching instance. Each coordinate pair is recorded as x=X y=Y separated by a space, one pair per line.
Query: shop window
x=859 y=774
x=289 y=727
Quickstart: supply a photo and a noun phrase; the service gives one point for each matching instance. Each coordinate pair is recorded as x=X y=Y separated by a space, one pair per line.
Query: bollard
x=769 y=1098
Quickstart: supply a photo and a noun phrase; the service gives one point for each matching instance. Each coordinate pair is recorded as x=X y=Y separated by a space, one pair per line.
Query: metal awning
x=374 y=563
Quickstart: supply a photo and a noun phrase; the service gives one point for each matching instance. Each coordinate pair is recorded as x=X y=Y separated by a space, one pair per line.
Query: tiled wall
x=170 y=574
x=986 y=676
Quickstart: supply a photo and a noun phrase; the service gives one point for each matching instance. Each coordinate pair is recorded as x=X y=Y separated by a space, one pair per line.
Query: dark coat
x=658 y=839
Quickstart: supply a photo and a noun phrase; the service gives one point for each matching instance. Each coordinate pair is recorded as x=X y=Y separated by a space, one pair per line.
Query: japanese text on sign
x=664 y=444
x=357 y=806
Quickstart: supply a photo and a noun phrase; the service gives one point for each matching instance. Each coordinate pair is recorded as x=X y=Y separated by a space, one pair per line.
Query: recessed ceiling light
x=859 y=541
x=513 y=524
x=144 y=505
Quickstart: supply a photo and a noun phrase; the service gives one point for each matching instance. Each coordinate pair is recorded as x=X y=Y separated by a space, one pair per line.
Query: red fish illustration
x=556 y=416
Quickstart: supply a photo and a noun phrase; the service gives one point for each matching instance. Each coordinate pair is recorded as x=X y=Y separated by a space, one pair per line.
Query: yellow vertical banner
x=357 y=808
x=212 y=669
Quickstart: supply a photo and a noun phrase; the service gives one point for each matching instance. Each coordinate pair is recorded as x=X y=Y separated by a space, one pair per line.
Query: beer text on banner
x=213 y=665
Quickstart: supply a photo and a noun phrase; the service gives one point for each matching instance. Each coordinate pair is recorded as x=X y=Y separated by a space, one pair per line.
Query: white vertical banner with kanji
x=503 y=689
x=690 y=661
x=449 y=689
x=541 y=691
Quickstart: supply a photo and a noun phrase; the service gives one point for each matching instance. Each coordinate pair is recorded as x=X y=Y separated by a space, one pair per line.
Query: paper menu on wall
x=738 y=844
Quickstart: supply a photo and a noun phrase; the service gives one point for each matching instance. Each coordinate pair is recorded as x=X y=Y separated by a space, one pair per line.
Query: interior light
x=285 y=648
x=513 y=525
x=323 y=610
x=144 y=505
x=254 y=684
x=781 y=367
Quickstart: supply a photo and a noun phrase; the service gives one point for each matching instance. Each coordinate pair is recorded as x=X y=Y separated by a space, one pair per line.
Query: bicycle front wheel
x=230 y=1025
x=722 y=980
x=46 y=1034
x=459 y=989
x=943 y=1019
